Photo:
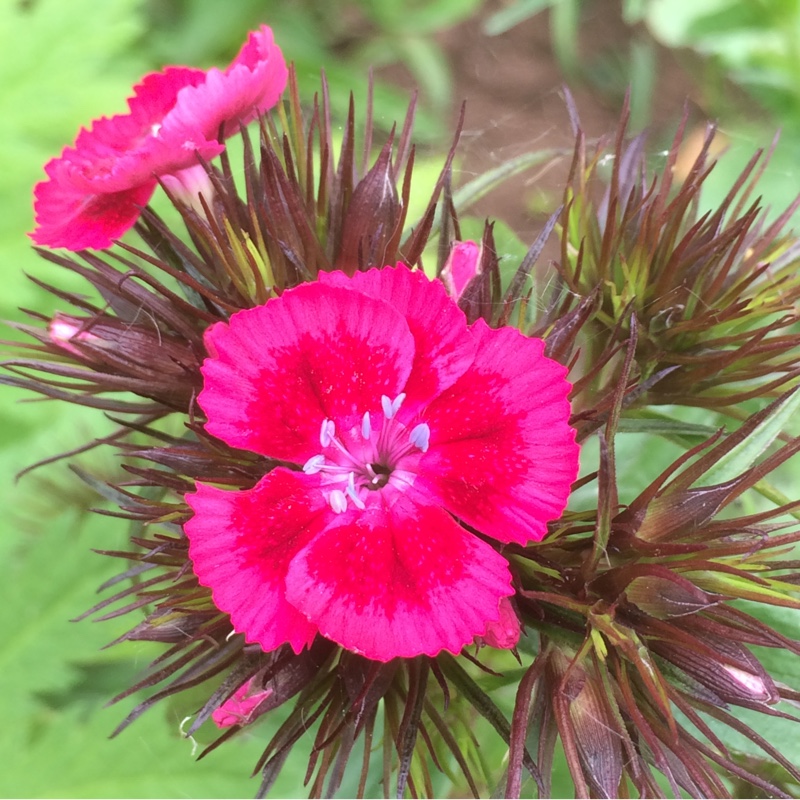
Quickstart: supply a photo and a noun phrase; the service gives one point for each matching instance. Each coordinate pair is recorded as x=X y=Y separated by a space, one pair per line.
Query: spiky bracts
x=642 y=644
x=633 y=632
x=714 y=291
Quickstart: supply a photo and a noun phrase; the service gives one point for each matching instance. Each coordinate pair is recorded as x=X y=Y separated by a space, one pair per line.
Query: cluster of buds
x=363 y=511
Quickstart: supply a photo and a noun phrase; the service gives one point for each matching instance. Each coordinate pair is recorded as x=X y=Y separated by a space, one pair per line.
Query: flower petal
x=241 y=543
x=444 y=346
x=122 y=151
x=502 y=456
x=70 y=217
x=398 y=580
x=276 y=372
x=250 y=86
x=95 y=186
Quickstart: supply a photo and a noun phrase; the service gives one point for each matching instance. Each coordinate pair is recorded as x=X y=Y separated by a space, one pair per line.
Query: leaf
x=668 y=428
x=740 y=458
x=72 y=757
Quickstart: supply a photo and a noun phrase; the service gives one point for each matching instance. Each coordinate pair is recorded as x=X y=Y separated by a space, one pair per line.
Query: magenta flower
x=399 y=421
x=95 y=190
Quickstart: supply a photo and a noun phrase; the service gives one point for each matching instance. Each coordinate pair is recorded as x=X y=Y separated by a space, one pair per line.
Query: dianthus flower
x=396 y=422
x=96 y=189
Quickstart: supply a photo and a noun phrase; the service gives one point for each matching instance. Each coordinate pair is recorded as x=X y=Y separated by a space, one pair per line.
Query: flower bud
x=239 y=709
x=137 y=357
x=503 y=634
x=733 y=684
x=371 y=218
x=64 y=330
x=584 y=710
x=463 y=264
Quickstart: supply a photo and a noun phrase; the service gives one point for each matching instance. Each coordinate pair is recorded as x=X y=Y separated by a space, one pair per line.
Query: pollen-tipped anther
x=326 y=432
x=421 y=437
x=338 y=501
x=391 y=407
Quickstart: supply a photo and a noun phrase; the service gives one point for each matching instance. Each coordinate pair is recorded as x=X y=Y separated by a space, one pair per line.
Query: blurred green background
x=65 y=63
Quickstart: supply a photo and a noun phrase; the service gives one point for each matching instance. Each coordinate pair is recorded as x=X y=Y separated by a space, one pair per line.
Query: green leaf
x=71 y=756
x=746 y=453
x=668 y=428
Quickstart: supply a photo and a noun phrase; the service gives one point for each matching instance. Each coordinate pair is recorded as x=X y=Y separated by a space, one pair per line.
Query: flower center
x=368 y=459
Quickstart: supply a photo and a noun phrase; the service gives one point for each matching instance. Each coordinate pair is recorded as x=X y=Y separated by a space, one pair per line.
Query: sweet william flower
x=398 y=421
x=95 y=189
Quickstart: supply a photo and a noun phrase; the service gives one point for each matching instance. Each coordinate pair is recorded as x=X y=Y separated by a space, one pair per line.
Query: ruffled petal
x=122 y=151
x=174 y=116
x=95 y=190
x=241 y=543
x=444 y=346
x=277 y=371
x=398 y=580
x=70 y=217
x=502 y=456
x=250 y=86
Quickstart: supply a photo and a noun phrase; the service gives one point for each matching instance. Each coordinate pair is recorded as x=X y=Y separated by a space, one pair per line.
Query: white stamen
x=421 y=436
x=338 y=501
x=366 y=426
x=314 y=465
x=391 y=407
x=351 y=490
x=155 y=128
x=327 y=432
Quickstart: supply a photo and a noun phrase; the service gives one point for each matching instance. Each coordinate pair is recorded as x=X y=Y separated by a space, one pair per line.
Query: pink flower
x=95 y=189
x=463 y=264
x=399 y=420
x=238 y=709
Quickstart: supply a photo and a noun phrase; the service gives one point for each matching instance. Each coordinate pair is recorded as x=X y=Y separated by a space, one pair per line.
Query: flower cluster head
x=95 y=190
x=350 y=479
x=395 y=420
